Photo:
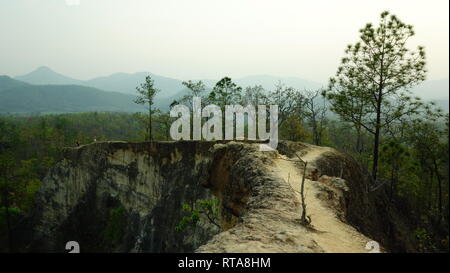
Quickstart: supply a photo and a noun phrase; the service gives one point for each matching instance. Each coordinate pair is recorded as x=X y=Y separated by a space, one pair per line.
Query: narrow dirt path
x=333 y=235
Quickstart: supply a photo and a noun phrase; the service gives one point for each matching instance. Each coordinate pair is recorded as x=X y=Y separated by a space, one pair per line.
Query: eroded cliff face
x=259 y=207
x=150 y=181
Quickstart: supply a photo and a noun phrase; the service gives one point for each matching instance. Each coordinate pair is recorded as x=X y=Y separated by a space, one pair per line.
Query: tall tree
x=225 y=92
x=196 y=89
x=315 y=112
x=375 y=77
x=146 y=95
x=254 y=95
x=289 y=100
x=430 y=141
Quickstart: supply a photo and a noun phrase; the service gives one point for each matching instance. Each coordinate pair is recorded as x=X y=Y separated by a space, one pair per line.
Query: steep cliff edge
x=144 y=185
x=147 y=182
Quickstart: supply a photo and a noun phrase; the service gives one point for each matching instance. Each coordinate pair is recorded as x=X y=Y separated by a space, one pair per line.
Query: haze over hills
x=127 y=83
x=118 y=82
x=44 y=75
x=6 y=83
x=269 y=82
x=433 y=89
x=20 y=97
x=171 y=89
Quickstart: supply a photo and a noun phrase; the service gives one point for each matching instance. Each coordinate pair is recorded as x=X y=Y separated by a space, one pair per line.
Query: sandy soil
x=272 y=222
x=333 y=235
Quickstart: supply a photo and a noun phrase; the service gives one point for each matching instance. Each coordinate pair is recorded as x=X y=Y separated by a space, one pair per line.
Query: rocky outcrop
x=150 y=181
x=127 y=197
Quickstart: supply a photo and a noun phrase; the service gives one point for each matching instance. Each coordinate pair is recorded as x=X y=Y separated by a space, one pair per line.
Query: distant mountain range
x=118 y=82
x=45 y=76
x=44 y=90
x=127 y=83
x=19 y=97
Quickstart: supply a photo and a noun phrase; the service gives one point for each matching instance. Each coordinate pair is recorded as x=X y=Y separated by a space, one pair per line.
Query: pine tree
x=371 y=86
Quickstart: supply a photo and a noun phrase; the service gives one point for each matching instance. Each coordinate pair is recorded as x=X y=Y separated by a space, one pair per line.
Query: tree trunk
x=375 y=154
x=150 y=122
x=302 y=194
x=358 y=140
x=377 y=136
x=315 y=133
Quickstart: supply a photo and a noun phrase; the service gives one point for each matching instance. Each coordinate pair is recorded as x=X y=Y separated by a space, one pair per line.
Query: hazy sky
x=194 y=39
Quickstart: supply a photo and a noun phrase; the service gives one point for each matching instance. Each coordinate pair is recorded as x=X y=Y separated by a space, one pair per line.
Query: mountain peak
x=45 y=75
x=44 y=69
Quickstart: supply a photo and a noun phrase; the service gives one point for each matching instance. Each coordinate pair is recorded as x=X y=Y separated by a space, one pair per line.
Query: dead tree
x=316 y=114
x=305 y=219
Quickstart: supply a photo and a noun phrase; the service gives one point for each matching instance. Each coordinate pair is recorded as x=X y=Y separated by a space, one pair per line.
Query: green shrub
x=204 y=210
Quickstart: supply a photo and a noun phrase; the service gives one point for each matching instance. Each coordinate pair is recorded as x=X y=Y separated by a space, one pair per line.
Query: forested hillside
x=413 y=160
x=19 y=97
